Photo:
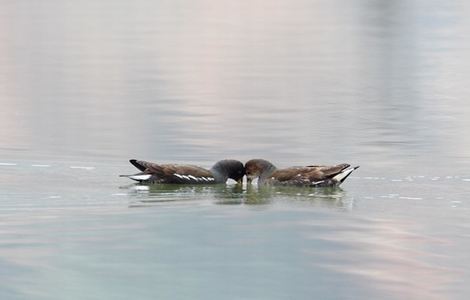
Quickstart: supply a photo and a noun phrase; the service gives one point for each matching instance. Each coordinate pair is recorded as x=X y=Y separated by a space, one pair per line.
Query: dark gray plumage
x=187 y=174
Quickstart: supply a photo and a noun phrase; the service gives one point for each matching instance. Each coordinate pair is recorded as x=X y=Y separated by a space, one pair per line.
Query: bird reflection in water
x=327 y=196
x=236 y=194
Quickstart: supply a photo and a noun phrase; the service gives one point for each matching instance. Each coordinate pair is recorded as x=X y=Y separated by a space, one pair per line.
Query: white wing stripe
x=194 y=178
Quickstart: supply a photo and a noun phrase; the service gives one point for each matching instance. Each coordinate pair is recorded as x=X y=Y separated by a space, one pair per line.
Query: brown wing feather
x=310 y=173
x=166 y=173
x=170 y=173
x=325 y=172
x=141 y=164
x=191 y=170
x=290 y=173
x=170 y=169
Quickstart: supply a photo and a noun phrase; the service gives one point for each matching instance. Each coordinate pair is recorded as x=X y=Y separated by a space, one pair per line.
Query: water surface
x=86 y=85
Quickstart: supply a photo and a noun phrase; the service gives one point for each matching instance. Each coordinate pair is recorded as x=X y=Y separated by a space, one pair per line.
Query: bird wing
x=291 y=173
x=174 y=173
x=308 y=173
x=141 y=164
x=325 y=172
x=190 y=174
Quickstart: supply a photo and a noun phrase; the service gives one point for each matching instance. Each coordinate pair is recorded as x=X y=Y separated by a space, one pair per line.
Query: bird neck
x=219 y=177
x=266 y=173
x=220 y=172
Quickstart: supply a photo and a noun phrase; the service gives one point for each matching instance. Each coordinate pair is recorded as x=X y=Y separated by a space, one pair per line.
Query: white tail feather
x=345 y=173
x=140 y=177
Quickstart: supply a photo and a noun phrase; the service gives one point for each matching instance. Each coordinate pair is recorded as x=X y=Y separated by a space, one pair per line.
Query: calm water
x=86 y=85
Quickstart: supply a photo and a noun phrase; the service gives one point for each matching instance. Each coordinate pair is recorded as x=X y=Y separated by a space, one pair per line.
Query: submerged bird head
x=256 y=168
x=230 y=168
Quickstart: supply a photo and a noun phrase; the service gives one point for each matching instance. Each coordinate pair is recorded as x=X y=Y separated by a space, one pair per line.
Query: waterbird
x=187 y=174
x=314 y=176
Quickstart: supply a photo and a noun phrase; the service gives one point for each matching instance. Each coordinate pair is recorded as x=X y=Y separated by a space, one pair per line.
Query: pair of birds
x=263 y=170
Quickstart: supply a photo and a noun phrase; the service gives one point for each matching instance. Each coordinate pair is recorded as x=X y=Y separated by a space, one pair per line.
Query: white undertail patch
x=343 y=174
x=140 y=177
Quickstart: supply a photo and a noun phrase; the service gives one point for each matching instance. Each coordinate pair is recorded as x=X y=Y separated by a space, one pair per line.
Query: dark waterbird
x=187 y=174
x=314 y=176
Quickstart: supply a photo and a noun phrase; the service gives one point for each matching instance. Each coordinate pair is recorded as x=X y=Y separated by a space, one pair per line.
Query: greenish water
x=86 y=85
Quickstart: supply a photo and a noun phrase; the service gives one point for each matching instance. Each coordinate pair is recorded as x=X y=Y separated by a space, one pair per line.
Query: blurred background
x=371 y=82
x=86 y=85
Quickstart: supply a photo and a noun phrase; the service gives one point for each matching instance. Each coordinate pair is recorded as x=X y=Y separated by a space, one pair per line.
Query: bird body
x=187 y=174
x=314 y=175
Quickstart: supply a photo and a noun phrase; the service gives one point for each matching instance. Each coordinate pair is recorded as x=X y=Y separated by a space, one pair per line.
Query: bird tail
x=344 y=174
x=138 y=177
x=140 y=164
